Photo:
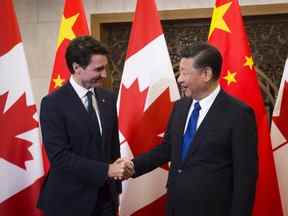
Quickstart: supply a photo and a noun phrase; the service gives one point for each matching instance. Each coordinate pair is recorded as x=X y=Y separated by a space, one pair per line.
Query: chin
x=98 y=84
x=187 y=94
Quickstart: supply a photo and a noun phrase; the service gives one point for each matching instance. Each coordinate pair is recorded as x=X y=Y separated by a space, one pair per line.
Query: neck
x=210 y=88
x=78 y=81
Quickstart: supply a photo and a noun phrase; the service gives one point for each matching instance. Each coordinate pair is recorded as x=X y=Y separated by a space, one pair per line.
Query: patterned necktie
x=190 y=131
x=91 y=110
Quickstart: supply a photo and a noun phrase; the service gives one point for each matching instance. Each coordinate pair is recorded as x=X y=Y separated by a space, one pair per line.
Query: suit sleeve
x=115 y=145
x=156 y=157
x=245 y=163
x=115 y=135
x=59 y=149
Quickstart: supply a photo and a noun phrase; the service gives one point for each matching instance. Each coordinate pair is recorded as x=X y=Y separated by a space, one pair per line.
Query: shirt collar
x=80 y=90
x=207 y=101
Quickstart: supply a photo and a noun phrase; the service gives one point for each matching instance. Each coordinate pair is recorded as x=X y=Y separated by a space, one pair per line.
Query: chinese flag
x=21 y=164
x=279 y=137
x=148 y=91
x=238 y=78
x=73 y=24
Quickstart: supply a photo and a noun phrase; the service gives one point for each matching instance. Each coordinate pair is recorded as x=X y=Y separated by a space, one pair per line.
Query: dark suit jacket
x=79 y=158
x=218 y=177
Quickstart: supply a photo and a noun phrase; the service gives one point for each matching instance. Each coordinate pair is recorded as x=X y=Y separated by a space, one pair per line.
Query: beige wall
x=129 y=5
x=39 y=23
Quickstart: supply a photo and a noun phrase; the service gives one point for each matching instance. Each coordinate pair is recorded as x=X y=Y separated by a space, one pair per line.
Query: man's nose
x=103 y=74
x=179 y=79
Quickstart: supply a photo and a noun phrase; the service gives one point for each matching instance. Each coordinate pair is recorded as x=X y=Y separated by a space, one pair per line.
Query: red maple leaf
x=131 y=105
x=15 y=121
x=282 y=120
x=142 y=129
x=153 y=123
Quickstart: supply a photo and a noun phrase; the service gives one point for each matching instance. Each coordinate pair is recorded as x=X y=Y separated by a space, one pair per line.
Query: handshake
x=121 y=169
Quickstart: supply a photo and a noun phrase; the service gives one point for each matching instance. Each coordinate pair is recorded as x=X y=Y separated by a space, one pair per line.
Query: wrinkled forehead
x=187 y=62
x=98 y=60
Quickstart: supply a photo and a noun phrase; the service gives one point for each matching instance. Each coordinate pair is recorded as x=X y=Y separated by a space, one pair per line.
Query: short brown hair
x=81 y=49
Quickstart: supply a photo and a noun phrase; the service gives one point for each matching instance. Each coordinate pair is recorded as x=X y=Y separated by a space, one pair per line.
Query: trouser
x=105 y=205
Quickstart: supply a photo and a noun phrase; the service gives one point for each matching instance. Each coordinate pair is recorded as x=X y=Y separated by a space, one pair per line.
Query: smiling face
x=92 y=75
x=194 y=82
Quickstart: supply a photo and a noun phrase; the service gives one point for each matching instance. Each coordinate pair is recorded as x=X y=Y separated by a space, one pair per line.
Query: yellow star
x=217 y=18
x=58 y=82
x=230 y=78
x=249 y=62
x=66 y=31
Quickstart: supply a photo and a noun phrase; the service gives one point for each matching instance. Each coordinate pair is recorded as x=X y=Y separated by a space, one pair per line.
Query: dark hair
x=81 y=49
x=205 y=55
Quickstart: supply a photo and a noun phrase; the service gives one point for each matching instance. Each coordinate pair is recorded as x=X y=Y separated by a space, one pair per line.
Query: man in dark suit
x=211 y=142
x=80 y=133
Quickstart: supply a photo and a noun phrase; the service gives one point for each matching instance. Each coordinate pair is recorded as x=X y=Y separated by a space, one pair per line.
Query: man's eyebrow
x=100 y=68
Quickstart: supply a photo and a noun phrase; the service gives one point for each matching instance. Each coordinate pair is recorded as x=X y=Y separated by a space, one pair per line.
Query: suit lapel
x=103 y=106
x=180 y=126
x=75 y=103
x=208 y=119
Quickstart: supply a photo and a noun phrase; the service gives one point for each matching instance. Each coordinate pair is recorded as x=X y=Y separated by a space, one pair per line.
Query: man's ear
x=208 y=74
x=76 y=67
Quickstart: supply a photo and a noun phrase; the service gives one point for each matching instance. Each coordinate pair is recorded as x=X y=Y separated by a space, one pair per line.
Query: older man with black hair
x=211 y=142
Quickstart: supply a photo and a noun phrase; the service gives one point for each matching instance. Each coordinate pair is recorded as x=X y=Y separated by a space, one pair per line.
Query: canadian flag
x=279 y=137
x=148 y=91
x=21 y=165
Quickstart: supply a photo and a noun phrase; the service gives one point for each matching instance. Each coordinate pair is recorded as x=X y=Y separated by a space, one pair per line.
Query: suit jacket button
x=179 y=171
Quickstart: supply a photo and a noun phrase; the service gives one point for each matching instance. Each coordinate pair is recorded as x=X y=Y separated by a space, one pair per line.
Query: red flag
x=73 y=24
x=279 y=136
x=147 y=94
x=238 y=77
x=21 y=166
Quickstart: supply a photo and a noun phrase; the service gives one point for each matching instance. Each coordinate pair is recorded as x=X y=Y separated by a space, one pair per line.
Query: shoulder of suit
x=234 y=102
x=58 y=93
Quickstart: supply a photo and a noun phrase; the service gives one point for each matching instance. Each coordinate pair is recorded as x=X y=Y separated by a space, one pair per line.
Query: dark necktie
x=91 y=110
x=190 y=131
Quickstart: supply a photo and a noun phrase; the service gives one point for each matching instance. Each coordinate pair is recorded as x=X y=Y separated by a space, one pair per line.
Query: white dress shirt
x=81 y=92
x=205 y=105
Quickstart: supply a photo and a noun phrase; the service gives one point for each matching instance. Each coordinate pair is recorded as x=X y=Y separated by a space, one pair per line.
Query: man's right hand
x=121 y=169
